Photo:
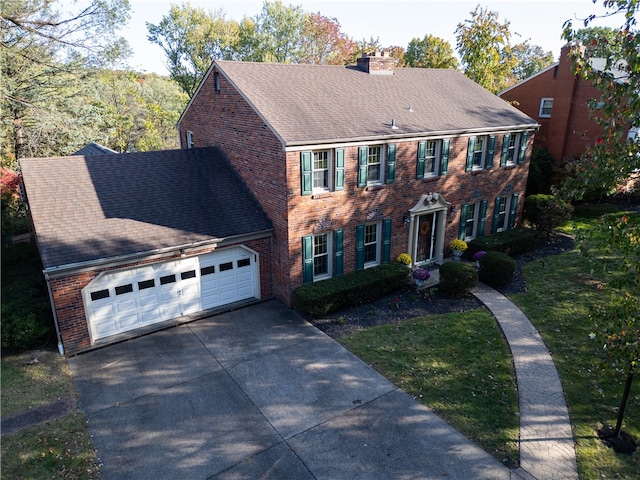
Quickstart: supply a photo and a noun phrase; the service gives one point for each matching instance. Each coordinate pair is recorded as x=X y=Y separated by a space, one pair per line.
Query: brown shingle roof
x=103 y=206
x=305 y=104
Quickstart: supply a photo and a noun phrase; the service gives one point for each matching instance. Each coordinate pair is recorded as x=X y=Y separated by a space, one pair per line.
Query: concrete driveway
x=260 y=393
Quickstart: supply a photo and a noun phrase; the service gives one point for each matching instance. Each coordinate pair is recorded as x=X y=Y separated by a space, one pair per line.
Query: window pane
x=100 y=294
x=226 y=266
x=430 y=160
x=321 y=169
x=320 y=245
x=122 y=289
x=478 y=151
x=189 y=274
x=167 y=279
x=321 y=255
x=207 y=270
x=245 y=262
x=143 y=285
x=371 y=243
x=373 y=163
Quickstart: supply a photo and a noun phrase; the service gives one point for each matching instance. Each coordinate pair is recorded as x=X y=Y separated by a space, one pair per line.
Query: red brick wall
x=569 y=130
x=69 y=306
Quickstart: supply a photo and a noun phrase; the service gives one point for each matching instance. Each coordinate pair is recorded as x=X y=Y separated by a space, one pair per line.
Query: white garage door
x=123 y=300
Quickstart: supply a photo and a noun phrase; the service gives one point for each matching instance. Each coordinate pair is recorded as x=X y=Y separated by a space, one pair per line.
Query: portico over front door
x=427 y=224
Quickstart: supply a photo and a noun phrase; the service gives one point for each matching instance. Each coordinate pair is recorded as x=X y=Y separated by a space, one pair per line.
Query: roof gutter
x=440 y=133
x=53 y=272
x=55 y=315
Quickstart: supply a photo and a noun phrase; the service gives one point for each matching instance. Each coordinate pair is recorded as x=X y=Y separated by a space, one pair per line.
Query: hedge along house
x=135 y=242
x=355 y=165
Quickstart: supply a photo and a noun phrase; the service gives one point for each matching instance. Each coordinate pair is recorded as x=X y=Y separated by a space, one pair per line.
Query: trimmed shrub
x=546 y=212
x=541 y=171
x=496 y=269
x=320 y=298
x=457 y=278
x=511 y=242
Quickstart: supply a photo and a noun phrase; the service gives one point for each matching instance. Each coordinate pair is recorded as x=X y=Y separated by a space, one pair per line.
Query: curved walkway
x=546 y=443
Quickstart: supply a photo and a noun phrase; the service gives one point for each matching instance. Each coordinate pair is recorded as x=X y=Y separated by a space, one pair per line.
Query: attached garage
x=144 y=240
x=123 y=300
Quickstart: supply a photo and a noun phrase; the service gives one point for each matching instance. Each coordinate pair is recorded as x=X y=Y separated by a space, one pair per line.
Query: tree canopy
x=429 y=52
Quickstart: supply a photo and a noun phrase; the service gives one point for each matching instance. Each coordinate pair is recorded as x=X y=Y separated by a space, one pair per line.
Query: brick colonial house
x=289 y=174
x=355 y=165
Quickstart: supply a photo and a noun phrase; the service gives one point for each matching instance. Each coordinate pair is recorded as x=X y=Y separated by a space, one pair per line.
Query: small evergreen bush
x=496 y=269
x=457 y=278
x=320 y=298
x=546 y=212
x=511 y=242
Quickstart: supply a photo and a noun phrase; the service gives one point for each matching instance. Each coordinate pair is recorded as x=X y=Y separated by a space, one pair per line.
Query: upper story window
x=189 y=139
x=546 y=105
x=433 y=158
x=321 y=171
x=376 y=165
x=480 y=152
x=510 y=145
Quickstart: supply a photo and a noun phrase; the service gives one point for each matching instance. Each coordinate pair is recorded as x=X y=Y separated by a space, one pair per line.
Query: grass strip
x=458 y=365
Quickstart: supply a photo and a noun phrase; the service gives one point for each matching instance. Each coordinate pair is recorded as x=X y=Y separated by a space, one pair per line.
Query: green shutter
x=492 y=148
x=483 y=214
x=363 y=153
x=444 y=161
x=359 y=247
x=505 y=149
x=391 y=163
x=386 y=240
x=307 y=259
x=496 y=215
x=306 y=167
x=422 y=152
x=463 y=221
x=470 y=147
x=338 y=253
x=523 y=147
x=339 y=183
x=514 y=210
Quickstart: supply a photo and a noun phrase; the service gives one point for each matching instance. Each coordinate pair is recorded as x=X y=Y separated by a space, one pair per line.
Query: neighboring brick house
x=558 y=99
x=135 y=242
x=355 y=165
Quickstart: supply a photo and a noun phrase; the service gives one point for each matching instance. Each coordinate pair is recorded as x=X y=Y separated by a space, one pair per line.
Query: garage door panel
x=124 y=300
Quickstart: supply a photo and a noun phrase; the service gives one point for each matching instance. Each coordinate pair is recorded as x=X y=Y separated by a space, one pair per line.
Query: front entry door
x=425 y=238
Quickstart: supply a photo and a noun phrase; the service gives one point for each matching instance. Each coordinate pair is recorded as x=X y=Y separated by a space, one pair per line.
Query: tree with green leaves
x=601 y=41
x=44 y=54
x=615 y=154
x=530 y=59
x=191 y=39
x=429 y=52
x=615 y=247
x=483 y=43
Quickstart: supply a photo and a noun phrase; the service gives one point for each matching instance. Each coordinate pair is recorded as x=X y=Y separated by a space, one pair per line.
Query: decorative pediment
x=322 y=225
x=430 y=202
x=374 y=214
x=508 y=189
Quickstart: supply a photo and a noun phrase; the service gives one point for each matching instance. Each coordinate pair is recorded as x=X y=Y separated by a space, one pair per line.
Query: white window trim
x=483 y=158
x=189 y=139
x=378 y=244
x=437 y=160
x=542 y=102
x=383 y=153
x=329 y=273
x=330 y=162
x=516 y=149
x=476 y=218
x=506 y=202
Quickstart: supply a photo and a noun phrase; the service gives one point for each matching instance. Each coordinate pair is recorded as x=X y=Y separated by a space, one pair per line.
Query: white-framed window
x=189 y=139
x=471 y=221
x=479 y=152
x=321 y=256
x=322 y=170
x=503 y=213
x=546 y=105
x=374 y=165
x=432 y=157
x=511 y=148
x=371 y=244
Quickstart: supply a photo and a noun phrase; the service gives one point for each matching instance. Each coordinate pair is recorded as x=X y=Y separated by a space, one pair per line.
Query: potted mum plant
x=458 y=247
x=421 y=275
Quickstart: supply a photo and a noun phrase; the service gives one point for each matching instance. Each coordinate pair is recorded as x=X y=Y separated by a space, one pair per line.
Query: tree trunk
x=623 y=403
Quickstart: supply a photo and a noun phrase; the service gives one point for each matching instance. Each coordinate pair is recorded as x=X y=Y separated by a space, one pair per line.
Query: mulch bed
x=408 y=303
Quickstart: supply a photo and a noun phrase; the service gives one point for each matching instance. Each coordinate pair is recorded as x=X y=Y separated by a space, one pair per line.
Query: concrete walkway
x=546 y=443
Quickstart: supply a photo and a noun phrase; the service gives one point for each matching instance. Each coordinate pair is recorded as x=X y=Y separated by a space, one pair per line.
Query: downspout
x=55 y=315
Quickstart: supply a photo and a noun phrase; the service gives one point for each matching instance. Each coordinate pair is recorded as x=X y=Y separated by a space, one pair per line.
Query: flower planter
x=457 y=254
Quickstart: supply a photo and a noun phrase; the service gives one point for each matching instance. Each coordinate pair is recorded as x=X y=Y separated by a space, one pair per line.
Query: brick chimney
x=377 y=63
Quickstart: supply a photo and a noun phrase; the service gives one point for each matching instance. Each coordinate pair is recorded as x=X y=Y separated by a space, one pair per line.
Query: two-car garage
x=122 y=300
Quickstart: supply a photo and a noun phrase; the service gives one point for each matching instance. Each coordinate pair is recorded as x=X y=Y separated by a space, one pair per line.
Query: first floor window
x=472 y=220
x=502 y=206
x=371 y=240
x=504 y=213
x=320 y=255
